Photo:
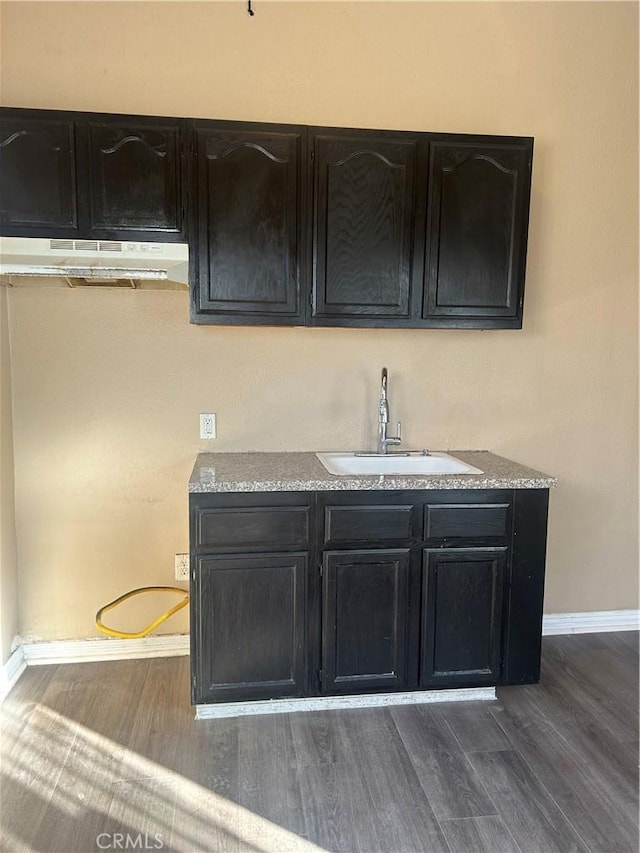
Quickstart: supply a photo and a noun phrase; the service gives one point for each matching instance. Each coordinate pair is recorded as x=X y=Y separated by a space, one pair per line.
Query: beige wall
x=108 y=386
x=8 y=553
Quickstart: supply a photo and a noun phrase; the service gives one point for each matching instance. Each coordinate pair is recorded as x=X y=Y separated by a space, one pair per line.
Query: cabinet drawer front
x=444 y=521
x=252 y=525
x=363 y=523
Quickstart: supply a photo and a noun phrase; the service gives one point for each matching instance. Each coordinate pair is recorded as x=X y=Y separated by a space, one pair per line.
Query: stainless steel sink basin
x=392 y=463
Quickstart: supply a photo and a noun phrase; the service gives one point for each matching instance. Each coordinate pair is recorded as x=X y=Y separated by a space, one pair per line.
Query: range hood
x=106 y=263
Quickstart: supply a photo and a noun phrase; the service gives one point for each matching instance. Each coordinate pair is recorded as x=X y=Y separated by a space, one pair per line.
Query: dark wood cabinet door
x=477 y=220
x=462 y=593
x=249 y=618
x=250 y=232
x=133 y=182
x=366 y=207
x=365 y=620
x=37 y=175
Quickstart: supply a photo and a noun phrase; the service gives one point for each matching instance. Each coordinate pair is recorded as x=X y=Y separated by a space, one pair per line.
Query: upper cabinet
x=92 y=176
x=37 y=174
x=288 y=225
x=132 y=177
x=478 y=214
x=248 y=231
x=368 y=202
x=348 y=227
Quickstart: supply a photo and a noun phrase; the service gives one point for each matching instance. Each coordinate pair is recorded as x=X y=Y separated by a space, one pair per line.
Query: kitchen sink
x=373 y=464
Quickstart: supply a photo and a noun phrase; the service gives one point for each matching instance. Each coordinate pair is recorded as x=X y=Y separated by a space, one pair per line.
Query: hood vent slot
x=85 y=246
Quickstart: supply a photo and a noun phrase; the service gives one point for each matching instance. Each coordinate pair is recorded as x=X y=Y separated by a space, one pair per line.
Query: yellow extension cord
x=126 y=635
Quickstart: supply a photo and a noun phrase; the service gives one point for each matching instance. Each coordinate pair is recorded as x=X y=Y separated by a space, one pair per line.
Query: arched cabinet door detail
x=477 y=223
x=365 y=203
x=37 y=175
x=92 y=176
x=134 y=179
x=286 y=224
x=250 y=232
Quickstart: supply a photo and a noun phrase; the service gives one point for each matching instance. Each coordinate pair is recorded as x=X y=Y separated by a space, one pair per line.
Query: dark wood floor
x=108 y=756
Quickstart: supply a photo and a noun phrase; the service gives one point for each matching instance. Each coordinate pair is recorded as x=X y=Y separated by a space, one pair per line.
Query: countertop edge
x=358 y=486
x=299 y=472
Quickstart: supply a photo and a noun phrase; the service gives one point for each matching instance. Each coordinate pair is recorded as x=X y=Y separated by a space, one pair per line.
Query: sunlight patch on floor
x=74 y=769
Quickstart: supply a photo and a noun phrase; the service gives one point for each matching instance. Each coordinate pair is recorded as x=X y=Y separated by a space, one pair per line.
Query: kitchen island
x=309 y=584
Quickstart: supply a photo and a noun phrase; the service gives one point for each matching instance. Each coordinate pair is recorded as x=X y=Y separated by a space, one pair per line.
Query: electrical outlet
x=182 y=567
x=207 y=426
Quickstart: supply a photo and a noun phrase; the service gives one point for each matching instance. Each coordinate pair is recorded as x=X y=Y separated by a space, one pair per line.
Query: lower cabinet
x=309 y=594
x=462 y=594
x=365 y=620
x=251 y=626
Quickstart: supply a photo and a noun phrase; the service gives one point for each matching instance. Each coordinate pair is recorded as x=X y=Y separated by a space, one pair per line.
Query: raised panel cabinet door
x=249 y=617
x=37 y=176
x=250 y=232
x=462 y=593
x=365 y=201
x=365 y=620
x=134 y=181
x=477 y=220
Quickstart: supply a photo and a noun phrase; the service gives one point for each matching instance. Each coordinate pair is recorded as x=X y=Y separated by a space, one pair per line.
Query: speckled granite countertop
x=303 y=472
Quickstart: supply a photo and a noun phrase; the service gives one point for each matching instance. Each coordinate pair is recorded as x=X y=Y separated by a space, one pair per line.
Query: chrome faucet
x=383 y=419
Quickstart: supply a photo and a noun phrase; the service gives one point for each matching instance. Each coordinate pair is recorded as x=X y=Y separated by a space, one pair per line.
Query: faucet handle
x=397 y=438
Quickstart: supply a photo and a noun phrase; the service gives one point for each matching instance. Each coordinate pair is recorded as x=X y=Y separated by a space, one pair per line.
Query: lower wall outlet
x=182 y=567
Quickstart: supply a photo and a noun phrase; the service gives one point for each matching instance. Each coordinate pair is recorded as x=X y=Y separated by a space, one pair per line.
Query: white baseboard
x=212 y=711
x=591 y=622
x=38 y=653
x=11 y=671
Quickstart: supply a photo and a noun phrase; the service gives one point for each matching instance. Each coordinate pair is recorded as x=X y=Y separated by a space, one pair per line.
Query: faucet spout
x=383 y=406
x=383 y=418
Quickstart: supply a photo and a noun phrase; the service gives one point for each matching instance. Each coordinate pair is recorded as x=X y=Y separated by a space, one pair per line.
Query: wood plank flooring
x=107 y=756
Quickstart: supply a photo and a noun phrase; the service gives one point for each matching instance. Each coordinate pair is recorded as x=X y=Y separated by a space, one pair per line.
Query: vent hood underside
x=36 y=262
